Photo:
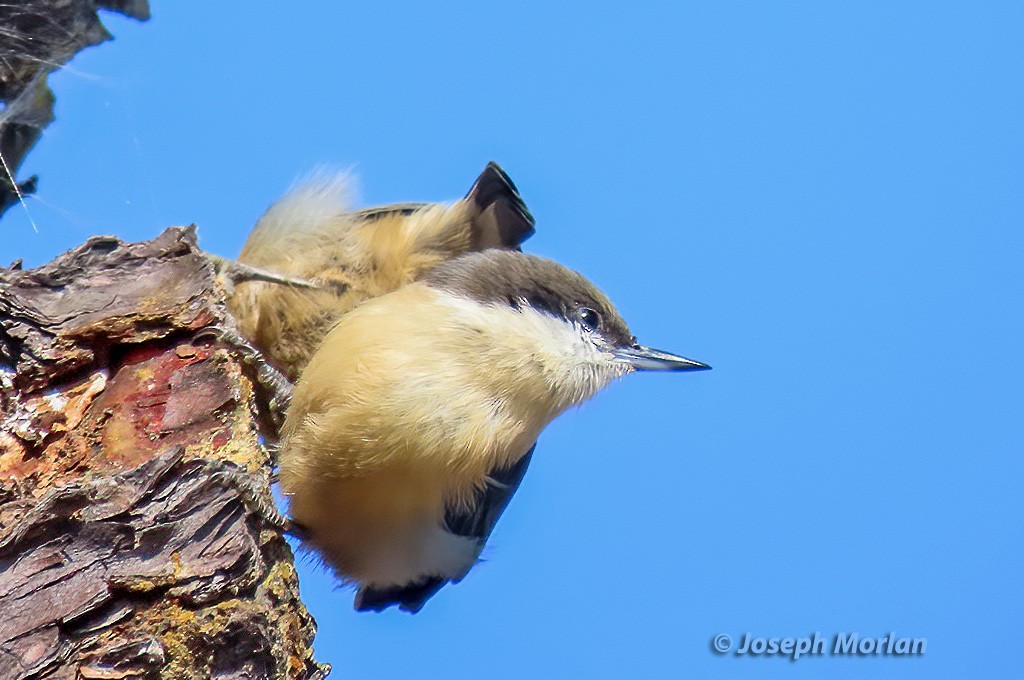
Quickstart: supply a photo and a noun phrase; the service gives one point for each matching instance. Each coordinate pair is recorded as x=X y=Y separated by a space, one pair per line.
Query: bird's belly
x=383 y=528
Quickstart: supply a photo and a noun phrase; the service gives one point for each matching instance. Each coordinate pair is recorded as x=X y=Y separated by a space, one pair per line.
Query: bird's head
x=545 y=316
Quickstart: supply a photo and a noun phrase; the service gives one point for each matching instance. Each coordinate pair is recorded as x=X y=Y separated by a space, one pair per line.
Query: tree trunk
x=133 y=543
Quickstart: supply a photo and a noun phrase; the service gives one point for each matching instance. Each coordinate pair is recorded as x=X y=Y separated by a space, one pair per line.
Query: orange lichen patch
x=56 y=411
x=41 y=419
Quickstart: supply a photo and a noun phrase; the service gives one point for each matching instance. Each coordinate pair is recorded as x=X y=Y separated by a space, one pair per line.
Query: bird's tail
x=409 y=598
x=502 y=219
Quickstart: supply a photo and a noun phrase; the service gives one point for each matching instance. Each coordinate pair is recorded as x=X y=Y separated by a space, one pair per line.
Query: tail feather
x=503 y=220
x=409 y=598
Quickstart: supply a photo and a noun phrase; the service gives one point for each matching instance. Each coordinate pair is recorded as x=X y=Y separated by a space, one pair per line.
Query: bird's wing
x=502 y=220
x=476 y=522
x=377 y=212
x=500 y=216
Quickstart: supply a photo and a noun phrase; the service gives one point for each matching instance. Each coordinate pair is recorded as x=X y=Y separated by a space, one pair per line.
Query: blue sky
x=822 y=200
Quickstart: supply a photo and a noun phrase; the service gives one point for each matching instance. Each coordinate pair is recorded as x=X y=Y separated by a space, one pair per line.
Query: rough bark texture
x=37 y=37
x=133 y=538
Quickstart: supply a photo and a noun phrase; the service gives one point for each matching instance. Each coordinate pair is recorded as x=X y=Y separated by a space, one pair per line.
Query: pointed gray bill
x=647 y=359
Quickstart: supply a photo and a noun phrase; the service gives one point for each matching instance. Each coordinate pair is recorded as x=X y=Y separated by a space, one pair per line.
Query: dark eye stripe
x=515 y=279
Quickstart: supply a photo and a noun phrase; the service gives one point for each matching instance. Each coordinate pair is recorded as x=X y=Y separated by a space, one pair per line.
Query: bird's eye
x=589 y=319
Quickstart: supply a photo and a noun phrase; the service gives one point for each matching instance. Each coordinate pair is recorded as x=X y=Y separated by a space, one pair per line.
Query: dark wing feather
x=476 y=522
x=502 y=220
x=377 y=212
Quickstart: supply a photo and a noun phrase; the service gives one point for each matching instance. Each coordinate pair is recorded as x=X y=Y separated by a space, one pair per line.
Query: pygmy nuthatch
x=413 y=423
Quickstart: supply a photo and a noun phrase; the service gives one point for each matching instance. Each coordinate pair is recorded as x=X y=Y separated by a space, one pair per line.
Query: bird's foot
x=256 y=497
x=272 y=386
x=255 y=494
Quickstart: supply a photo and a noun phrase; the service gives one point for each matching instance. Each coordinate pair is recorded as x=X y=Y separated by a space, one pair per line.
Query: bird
x=310 y=258
x=414 y=421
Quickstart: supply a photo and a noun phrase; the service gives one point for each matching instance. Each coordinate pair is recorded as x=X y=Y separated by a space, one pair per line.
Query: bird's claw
x=273 y=387
x=256 y=497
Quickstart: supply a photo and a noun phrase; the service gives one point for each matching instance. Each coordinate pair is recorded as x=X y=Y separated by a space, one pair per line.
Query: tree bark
x=133 y=543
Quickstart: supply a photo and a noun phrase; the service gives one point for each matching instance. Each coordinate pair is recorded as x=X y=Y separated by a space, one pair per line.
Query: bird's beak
x=647 y=359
